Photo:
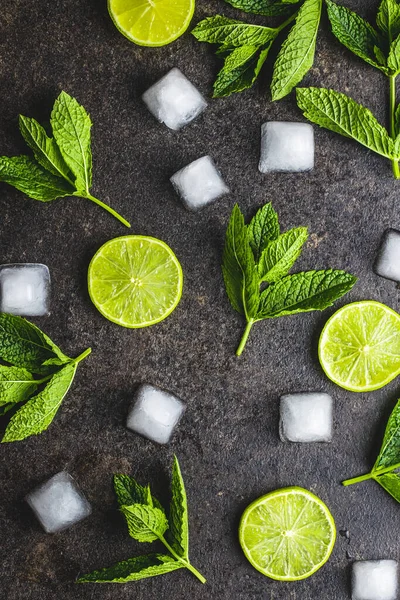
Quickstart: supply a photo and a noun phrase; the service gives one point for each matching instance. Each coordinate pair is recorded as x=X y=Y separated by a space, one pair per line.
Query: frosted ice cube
x=58 y=503
x=375 y=580
x=306 y=417
x=286 y=147
x=199 y=183
x=155 y=413
x=174 y=100
x=25 y=289
x=387 y=263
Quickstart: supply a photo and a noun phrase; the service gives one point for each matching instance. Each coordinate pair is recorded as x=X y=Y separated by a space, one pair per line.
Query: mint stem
x=184 y=562
x=392 y=97
x=106 y=207
x=245 y=337
x=373 y=475
x=82 y=356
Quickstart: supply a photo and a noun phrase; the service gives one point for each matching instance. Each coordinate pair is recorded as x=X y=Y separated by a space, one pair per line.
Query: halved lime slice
x=135 y=281
x=287 y=535
x=359 y=347
x=151 y=22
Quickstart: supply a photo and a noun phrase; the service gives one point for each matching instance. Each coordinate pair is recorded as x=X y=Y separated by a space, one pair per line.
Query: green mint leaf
x=296 y=56
x=388 y=18
x=380 y=57
x=231 y=33
x=390 y=450
x=354 y=32
x=5 y=408
x=267 y=8
x=343 y=115
x=27 y=176
x=281 y=254
x=238 y=267
x=133 y=569
x=38 y=413
x=16 y=385
x=178 y=532
x=263 y=228
x=304 y=292
x=145 y=523
x=240 y=70
x=129 y=491
x=393 y=61
x=25 y=345
x=391 y=483
x=44 y=148
x=71 y=128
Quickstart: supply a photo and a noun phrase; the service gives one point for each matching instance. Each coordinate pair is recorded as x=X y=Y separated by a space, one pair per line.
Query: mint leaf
x=178 y=533
x=296 y=56
x=343 y=115
x=354 y=32
x=25 y=345
x=128 y=491
x=240 y=70
x=393 y=61
x=304 y=292
x=391 y=483
x=29 y=177
x=231 y=33
x=238 y=267
x=390 y=450
x=145 y=523
x=263 y=228
x=267 y=8
x=133 y=569
x=38 y=413
x=281 y=254
x=388 y=18
x=71 y=127
x=16 y=385
x=44 y=148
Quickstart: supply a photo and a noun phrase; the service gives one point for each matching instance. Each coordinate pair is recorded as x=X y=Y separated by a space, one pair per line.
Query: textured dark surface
x=228 y=441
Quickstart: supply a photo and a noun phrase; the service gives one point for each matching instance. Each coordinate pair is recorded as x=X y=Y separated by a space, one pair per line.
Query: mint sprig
x=147 y=521
x=61 y=165
x=388 y=461
x=245 y=47
x=380 y=48
x=257 y=254
x=31 y=353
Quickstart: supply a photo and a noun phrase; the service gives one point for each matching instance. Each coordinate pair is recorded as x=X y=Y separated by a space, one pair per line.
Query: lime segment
x=359 y=348
x=151 y=22
x=287 y=535
x=135 y=281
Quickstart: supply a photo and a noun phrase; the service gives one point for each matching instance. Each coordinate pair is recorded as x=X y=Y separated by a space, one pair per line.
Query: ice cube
x=375 y=580
x=58 y=503
x=306 y=417
x=286 y=147
x=25 y=289
x=387 y=263
x=174 y=100
x=155 y=413
x=199 y=183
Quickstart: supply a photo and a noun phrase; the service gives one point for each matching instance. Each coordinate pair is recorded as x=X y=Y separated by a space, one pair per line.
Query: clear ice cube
x=387 y=263
x=199 y=183
x=25 y=289
x=174 y=100
x=286 y=147
x=306 y=417
x=375 y=580
x=58 y=503
x=155 y=413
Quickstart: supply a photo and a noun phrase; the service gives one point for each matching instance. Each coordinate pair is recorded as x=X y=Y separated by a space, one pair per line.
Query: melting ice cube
x=199 y=183
x=287 y=147
x=25 y=289
x=306 y=417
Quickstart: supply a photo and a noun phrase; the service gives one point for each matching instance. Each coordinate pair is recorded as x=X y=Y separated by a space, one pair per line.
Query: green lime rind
x=135 y=281
x=359 y=347
x=167 y=21
x=288 y=534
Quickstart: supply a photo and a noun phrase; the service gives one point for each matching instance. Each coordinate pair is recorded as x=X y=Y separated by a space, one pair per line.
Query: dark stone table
x=228 y=442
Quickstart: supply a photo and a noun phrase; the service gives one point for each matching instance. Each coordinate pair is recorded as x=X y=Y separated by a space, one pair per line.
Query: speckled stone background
x=228 y=441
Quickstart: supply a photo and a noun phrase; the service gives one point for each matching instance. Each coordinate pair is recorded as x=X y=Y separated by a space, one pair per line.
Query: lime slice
x=135 y=281
x=151 y=22
x=287 y=535
x=359 y=347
